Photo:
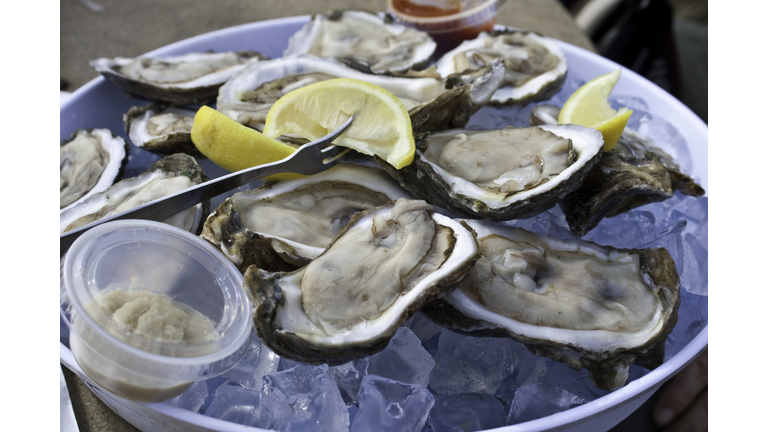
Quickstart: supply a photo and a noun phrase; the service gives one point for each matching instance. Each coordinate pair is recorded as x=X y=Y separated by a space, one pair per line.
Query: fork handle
x=167 y=206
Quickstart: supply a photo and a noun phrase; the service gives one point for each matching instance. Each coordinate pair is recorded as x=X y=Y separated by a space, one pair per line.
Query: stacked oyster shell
x=337 y=261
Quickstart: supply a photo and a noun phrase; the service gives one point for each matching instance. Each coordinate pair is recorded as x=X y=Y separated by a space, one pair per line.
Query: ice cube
x=192 y=399
x=626 y=230
x=465 y=412
x=466 y=364
x=689 y=324
x=348 y=377
x=404 y=360
x=574 y=381
x=694 y=275
x=423 y=327
x=249 y=407
x=312 y=394
x=258 y=361
x=390 y=405
x=537 y=400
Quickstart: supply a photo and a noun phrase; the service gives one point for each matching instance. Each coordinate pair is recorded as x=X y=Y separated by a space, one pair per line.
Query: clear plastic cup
x=449 y=22
x=138 y=255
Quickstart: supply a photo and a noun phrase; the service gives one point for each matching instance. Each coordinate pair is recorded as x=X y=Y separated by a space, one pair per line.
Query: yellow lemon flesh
x=235 y=147
x=381 y=127
x=588 y=106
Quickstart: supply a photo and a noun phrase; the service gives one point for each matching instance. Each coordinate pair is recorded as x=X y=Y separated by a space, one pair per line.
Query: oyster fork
x=311 y=158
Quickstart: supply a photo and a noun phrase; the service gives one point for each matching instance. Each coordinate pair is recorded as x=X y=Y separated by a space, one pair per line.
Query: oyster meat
x=160 y=129
x=375 y=274
x=500 y=174
x=90 y=161
x=576 y=302
x=535 y=65
x=432 y=102
x=284 y=225
x=169 y=175
x=364 y=41
x=178 y=80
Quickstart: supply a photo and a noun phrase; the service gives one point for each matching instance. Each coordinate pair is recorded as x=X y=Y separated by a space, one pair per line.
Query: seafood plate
x=581 y=66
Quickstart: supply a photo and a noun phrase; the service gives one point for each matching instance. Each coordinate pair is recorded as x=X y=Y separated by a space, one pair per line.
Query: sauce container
x=151 y=309
x=449 y=22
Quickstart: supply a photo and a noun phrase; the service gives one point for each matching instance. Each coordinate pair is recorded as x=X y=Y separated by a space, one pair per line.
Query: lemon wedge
x=235 y=147
x=381 y=127
x=588 y=106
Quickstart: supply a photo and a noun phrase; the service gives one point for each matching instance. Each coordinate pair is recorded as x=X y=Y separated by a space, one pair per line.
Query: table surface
x=131 y=28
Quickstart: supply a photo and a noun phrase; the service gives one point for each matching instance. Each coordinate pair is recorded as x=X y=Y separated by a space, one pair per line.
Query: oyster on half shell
x=375 y=274
x=177 y=80
x=535 y=65
x=90 y=161
x=500 y=174
x=284 y=225
x=432 y=102
x=576 y=302
x=160 y=129
x=364 y=41
x=169 y=175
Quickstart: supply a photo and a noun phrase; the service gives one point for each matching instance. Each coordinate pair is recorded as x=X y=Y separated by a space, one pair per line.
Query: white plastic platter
x=101 y=104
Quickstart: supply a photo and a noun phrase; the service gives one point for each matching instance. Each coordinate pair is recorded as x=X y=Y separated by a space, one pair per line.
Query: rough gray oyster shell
x=375 y=274
x=282 y=226
x=576 y=302
x=476 y=182
x=535 y=65
x=364 y=41
x=432 y=102
x=192 y=78
x=169 y=175
x=90 y=161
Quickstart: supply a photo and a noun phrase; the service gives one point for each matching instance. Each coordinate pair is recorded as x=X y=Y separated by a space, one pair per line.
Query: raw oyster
x=364 y=41
x=160 y=129
x=576 y=302
x=89 y=162
x=634 y=173
x=535 y=65
x=433 y=103
x=374 y=275
x=283 y=226
x=178 y=80
x=169 y=175
x=500 y=174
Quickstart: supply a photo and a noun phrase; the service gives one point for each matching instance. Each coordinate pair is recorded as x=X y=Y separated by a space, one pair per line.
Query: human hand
x=683 y=406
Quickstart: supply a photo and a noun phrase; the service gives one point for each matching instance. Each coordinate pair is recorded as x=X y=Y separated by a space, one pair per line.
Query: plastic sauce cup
x=144 y=255
x=449 y=22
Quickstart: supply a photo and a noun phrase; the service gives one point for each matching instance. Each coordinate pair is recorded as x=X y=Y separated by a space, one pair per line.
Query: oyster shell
x=283 y=226
x=577 y=302
x=433 y=103
x=160 y=129
x=89 y=162
x=184 y=79
x=374 y=275
x=500 y=174
x=364 y=41
x=535 y=65
x=169 y=175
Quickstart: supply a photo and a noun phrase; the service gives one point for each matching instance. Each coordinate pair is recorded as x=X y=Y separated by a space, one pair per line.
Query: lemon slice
x=382 y=126
x=588 y=106
x=235 y=147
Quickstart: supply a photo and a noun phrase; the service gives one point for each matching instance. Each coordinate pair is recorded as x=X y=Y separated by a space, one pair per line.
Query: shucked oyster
x=364 y=41
x=576 y=302
x=160 y=129
x=535 y=65
x=433 y=103
x=169 y=175
x=500 y=174
x=377 y=272
x=179 y=80
x=283 y=226
x=90 y=161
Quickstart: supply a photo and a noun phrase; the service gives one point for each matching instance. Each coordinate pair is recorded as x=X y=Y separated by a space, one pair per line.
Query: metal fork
x=311 y=158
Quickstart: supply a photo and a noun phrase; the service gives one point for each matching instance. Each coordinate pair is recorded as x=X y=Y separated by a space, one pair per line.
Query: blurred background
x=663 y=40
